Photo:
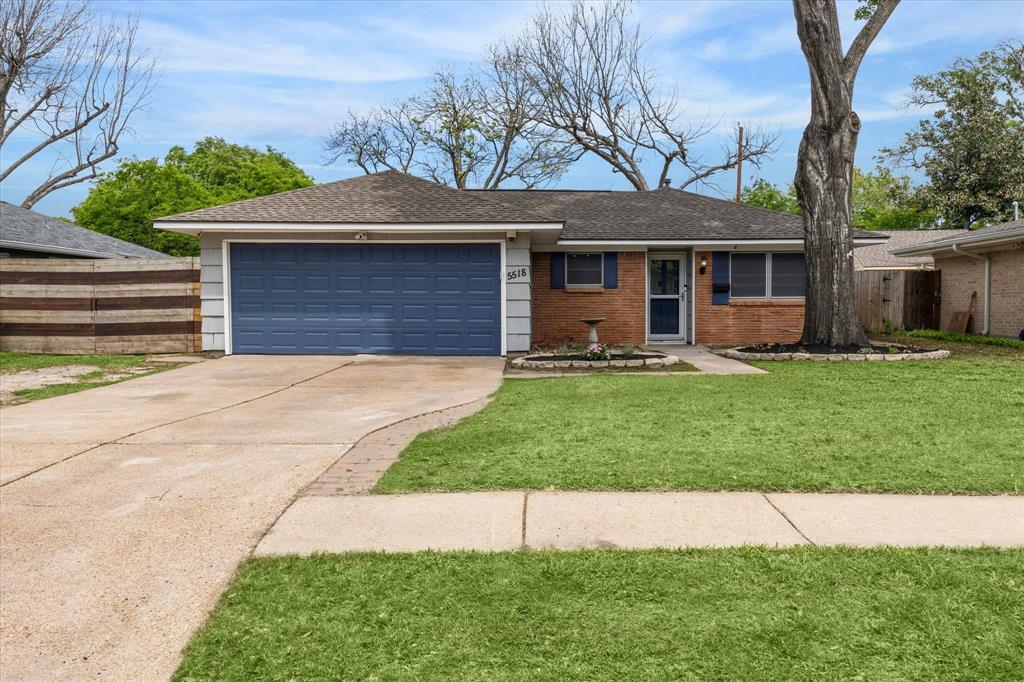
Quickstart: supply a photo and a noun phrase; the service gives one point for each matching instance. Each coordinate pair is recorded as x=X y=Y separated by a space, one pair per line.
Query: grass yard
x=943 y=426
x=744 y=614
x=12 y=361
x=105 y=370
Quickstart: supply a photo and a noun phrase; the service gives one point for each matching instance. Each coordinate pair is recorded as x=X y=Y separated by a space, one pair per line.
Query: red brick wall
x=744 y=320
x=557 y=312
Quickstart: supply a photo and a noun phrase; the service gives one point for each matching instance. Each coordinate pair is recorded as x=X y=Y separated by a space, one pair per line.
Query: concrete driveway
x=125 y=509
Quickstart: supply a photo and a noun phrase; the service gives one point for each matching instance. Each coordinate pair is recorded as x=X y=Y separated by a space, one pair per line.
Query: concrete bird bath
x=592 y=322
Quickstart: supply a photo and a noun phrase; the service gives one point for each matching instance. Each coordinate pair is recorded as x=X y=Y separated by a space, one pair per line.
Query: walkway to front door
x=667 y=279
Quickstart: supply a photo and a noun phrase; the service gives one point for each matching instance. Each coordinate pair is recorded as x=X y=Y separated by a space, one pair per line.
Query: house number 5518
x=519 y=273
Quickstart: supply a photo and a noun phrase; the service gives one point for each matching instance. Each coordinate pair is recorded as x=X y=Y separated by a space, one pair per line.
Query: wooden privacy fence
x=898 y=299
x=100 y=306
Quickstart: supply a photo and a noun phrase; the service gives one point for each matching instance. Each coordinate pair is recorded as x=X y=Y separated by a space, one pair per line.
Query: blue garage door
x=417 y=299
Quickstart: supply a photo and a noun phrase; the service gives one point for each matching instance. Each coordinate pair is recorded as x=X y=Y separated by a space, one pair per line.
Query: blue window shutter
x=557 y=270
x=720 y=278
x=611 y=270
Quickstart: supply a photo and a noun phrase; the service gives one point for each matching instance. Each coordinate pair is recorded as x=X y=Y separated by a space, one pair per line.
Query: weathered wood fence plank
x=898 y=299
x=100 y=306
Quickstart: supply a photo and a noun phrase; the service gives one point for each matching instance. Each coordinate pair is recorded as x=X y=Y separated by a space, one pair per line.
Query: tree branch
x=868 y=32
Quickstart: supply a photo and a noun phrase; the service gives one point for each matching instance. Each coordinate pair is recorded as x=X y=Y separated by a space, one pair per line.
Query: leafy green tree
x=883 y=201
x=972 y=147
x=767 y=195
x=880 y=201
x=125 y=202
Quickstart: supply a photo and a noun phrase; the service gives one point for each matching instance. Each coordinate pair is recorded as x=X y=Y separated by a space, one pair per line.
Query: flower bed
x=796 y=351
x=595 y=356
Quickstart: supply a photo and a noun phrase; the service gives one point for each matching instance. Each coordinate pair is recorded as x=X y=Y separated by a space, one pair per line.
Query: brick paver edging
x=925 y=355
x=537 y=362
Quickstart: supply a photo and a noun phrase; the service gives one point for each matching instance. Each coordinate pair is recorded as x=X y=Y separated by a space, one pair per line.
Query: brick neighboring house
x=988 y=263
x=391 y=263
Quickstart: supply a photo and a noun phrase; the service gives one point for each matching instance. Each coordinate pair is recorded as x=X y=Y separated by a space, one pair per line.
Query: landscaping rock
x=801 y=356
x=563 y=364
x=654 y=363
x=634 y=363
x=617 y=363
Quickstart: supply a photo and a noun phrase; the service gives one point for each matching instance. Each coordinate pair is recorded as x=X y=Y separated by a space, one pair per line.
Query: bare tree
x=463 y=131
x=587 y=66
x=386 y=138
x=71 y=80
x=824 y=174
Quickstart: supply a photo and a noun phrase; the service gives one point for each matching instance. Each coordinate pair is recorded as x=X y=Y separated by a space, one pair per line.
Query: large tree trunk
x=824 y=173
x=824 y=176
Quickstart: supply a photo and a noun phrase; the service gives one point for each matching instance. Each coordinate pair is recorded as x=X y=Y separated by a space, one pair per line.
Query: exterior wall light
x=703 y=264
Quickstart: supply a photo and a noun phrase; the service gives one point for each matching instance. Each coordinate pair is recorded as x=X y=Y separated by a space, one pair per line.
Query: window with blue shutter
x=557 y=270
x=611 y=270
x=720 y=278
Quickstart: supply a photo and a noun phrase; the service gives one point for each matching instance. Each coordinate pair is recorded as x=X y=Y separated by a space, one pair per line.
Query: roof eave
x=195 y=227
x=62 y=250
x=943 y=245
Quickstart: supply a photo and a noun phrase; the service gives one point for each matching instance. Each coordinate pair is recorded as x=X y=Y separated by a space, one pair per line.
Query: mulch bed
x=815 y=349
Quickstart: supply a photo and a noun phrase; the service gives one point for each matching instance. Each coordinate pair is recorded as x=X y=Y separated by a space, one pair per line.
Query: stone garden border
x=923 y=355
x=537 y=362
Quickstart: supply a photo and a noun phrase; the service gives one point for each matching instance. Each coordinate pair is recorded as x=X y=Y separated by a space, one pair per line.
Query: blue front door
x=417 y=299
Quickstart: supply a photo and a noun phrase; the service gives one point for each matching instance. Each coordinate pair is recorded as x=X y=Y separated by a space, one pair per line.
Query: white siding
x=517 y=296
x=517 y=314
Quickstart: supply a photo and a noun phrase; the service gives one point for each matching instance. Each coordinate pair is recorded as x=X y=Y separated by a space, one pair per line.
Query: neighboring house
x=880 y=256
x=390 y=263
x=988 y=263
x=27 y=234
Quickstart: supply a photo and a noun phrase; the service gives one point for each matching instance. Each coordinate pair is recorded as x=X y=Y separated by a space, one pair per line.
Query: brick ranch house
x=988 y=263
x=390 y=263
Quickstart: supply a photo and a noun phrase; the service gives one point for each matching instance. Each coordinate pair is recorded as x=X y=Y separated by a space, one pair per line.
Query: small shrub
x=628 y=351
x=596 y=351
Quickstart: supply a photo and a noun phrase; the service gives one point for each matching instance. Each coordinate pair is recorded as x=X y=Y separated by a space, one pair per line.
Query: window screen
x=749 y=275
x=584 y=269
x=788 y=274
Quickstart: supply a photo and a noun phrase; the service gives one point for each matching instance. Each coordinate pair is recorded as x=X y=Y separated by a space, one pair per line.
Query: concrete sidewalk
x=511 y=520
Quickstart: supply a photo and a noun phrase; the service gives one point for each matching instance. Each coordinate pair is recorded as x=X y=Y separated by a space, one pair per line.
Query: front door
x=667 y=298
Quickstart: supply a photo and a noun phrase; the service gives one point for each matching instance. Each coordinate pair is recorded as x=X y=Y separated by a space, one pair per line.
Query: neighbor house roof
x=880 y=256
x=391 y=197
x=27 y=230
x=993 y=235
x=386 y=197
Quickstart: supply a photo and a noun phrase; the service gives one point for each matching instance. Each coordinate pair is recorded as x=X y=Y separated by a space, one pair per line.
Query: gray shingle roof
x=387 y=197
x=881 y=256
x=22 y=228
x=663 y=214
x=393 y=197
x=998 y=233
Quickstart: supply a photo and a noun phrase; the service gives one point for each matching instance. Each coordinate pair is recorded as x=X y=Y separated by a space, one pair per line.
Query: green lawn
x=12 y=361
x=744 y=614
x=109 y=369
x=953 y=426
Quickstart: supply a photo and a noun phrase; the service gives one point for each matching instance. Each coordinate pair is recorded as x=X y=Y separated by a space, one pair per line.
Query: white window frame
x=769 y=256
x=599 y=285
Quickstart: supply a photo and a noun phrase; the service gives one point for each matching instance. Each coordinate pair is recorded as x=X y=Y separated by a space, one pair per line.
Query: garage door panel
x=366 y=298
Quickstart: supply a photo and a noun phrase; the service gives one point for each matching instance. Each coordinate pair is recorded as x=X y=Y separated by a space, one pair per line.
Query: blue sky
x=280 y=73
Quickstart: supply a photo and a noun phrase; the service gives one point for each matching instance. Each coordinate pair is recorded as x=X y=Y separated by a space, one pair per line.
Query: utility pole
x=739 y=163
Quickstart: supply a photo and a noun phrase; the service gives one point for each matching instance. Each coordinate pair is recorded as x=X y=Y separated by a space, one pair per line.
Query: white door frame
x=226 y=270
x=683 y=295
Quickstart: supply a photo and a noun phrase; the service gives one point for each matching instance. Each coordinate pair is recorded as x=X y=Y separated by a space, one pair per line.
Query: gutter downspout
x=986 y=297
